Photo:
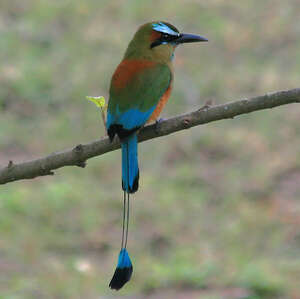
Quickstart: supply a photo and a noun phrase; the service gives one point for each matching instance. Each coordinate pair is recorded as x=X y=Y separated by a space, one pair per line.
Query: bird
x=140 y=87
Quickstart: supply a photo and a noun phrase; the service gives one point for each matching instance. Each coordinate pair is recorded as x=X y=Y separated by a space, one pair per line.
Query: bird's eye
x=165 y=36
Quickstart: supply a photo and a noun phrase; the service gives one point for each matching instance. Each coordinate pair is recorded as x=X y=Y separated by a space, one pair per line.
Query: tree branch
x=80 y=153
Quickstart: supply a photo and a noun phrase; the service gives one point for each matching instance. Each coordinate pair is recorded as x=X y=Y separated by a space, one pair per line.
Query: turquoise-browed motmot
x=140 y=88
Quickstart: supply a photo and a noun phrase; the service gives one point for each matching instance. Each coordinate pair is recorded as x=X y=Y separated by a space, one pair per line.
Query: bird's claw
x=157 y=125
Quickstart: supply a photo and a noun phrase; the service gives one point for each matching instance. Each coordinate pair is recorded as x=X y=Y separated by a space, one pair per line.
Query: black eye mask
x=165 y=39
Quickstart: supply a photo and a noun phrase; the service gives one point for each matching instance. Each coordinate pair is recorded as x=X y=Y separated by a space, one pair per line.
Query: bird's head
x=158 y=40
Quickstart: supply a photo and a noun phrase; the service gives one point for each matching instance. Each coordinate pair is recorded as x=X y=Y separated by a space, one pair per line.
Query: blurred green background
x=218 y=211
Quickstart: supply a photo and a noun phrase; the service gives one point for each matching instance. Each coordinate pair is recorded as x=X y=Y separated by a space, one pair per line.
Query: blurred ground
x=218 y=211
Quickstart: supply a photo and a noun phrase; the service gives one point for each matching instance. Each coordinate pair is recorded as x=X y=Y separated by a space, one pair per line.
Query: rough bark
x=78 y=155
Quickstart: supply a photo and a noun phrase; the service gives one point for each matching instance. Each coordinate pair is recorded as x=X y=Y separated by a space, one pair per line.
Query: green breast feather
x=142 y=91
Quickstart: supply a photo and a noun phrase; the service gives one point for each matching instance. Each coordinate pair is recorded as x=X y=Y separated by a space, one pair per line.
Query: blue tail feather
x=124 y=259
x=123 y=271
x=130 y=168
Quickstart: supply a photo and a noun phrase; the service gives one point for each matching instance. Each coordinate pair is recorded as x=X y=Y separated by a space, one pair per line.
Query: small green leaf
x=98 y=101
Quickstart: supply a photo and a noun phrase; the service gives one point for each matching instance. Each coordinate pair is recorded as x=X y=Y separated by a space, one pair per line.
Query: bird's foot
x=157 y=125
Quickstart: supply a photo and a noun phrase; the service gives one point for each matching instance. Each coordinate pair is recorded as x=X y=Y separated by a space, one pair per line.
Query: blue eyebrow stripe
x=163 y=28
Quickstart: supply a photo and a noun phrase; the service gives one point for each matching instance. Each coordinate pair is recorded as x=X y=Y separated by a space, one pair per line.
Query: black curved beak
x=190 y=38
